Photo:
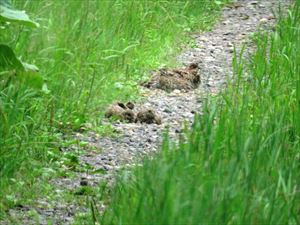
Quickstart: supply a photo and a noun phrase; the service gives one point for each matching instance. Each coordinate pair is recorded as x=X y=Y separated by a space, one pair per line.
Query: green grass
x=241 y=161
x=89 y=53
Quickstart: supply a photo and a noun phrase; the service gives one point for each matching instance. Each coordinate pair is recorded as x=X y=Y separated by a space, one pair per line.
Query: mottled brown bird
x=121 y=111
x=171 y=79
x=148 y=116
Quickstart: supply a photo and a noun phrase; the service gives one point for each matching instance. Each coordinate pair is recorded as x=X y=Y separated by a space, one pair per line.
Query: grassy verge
x=90 y=53
x=240 y=163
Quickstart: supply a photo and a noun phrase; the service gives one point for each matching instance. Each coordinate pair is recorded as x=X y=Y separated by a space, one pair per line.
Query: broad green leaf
x=8 y=59
x=26 y=73
x=7 y=13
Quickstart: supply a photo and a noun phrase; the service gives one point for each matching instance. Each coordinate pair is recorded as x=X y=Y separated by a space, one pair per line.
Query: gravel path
x=213 y=52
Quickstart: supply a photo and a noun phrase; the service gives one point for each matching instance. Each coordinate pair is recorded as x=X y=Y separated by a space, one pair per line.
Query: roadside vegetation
x=89 y=53
x=240 y=162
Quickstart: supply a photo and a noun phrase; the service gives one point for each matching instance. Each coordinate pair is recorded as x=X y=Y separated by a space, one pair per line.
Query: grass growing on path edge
x=90 y=53
x=241 y=161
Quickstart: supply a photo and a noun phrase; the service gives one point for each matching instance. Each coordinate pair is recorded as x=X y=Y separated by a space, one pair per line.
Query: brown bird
x=121 y=111
x=148 y=116
x=171 y=79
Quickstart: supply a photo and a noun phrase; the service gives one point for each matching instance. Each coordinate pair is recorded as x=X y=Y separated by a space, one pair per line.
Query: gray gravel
x=214 y=53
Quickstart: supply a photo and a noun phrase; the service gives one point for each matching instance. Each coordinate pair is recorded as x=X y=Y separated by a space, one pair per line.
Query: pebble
x=83 y=182
x=263 y=20
x=176 y=91
x=253 y=2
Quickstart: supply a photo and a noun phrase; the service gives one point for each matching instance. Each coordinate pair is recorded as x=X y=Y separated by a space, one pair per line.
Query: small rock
x=271 y=17
x=204 y=39
x=244 y=16
x=237 y=5
x=178 y=131
x=176 y=91
x=229 y=44
x=107 y=167
x=83 y=182
x=263 y=20
x=167 y=110
x=227 y=33
x=230 y=50
x=225 y=22
x=19 y=206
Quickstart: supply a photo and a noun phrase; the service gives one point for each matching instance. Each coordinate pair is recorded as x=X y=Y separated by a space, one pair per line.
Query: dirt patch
x=171 y=79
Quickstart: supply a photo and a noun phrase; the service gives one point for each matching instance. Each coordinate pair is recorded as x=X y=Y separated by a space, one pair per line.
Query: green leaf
x=8 y=59
x=26 y=73
x=45 y=89
x=8 y=14
x=32 y=79
x=218 y=2
x=30 y=67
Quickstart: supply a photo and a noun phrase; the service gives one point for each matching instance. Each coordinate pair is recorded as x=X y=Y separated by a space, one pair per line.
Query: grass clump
x=240 y=163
